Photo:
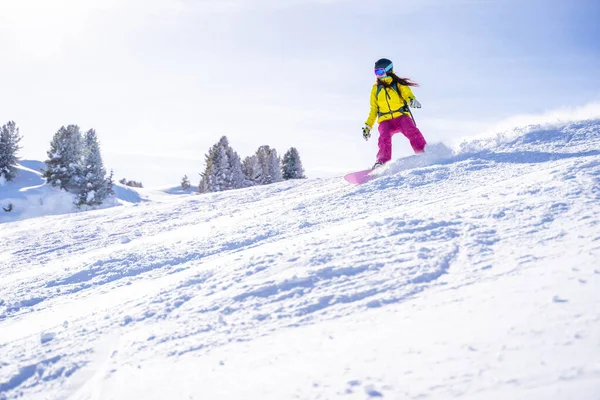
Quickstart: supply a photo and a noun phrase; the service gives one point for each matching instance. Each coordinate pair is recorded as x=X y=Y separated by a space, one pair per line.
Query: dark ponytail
x=403 y=81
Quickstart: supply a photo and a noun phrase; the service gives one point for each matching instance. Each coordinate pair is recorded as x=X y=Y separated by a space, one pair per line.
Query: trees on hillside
x=75 y=165
x=9 y=146
x=225 y=171
x=263 y=167
x=252 y=170
x=269 y=165
x=131 y=183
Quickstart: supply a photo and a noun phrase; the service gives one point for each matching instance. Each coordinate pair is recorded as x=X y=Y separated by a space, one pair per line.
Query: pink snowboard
x=359 y=177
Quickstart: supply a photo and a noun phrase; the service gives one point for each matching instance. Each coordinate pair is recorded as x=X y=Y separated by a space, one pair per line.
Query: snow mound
x=28 y=196
x=127 y=194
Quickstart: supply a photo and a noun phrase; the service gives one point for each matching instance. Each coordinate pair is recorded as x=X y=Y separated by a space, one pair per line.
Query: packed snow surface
x=472 y=275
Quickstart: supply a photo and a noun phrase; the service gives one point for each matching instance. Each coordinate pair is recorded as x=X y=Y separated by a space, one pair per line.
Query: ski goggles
x=383 y=71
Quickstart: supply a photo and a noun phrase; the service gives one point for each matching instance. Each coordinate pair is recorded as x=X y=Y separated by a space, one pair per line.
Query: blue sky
x=162 y=80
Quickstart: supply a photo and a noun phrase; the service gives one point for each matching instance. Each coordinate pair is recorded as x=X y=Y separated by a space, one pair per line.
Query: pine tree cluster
x=131 y=183
x=9 y=146
x=75 y=165
x=224 y=169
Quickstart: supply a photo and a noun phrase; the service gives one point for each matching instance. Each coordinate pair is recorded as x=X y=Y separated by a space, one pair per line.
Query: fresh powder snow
x=471 y=274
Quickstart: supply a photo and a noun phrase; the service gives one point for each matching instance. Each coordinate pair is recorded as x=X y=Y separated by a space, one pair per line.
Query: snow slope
x=472 y=275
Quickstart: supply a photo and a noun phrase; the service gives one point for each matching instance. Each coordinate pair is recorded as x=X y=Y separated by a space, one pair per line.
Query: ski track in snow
x=93 y=299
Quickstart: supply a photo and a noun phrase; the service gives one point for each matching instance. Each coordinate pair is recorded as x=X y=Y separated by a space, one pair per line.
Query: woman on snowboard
x=390 y=98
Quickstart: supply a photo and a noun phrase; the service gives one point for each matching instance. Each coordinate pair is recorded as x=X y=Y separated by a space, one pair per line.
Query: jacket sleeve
x=374 y=108
x=407 y=93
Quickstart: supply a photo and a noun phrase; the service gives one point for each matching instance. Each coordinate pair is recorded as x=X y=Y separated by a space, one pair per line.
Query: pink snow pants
x=389 y=128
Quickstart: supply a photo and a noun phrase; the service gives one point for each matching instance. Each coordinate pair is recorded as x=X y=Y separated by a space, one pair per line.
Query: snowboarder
x=390 y=98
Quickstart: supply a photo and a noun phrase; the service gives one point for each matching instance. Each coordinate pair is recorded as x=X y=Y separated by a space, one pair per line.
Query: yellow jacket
x=388 y=104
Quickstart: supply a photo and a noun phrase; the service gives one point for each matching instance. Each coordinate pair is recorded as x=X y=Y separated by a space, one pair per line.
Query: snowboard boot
x=378 y=164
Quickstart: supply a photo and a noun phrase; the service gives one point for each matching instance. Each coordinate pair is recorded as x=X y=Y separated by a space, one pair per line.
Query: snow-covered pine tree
x=94 y=186
x=292 y=166
x=262 y=156
x=208 y=177
x=269 y=164
x=223 y=169
x=213 y=177
x=9 y=146
x=111 y=183
x=64 y=159
x=274 y=166
x=203 y=186
x=185 y=183
x=252 y=170
x=237 y=178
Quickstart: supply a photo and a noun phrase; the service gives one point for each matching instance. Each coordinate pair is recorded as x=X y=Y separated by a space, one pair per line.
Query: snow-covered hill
x=473 y=275
x=28 y=196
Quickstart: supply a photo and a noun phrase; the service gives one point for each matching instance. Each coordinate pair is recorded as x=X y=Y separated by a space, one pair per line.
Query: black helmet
x=384 y=63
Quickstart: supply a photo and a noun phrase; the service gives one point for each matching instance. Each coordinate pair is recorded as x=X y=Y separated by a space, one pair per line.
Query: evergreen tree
x=208 y=178
x=223 y=169
x=217 y=166
x=262 y=156
x=274 y=166
x=94 y=186
x=252 y=170
x=292 y=166
x=237 y=179
x=185 y=183
x=269 y=165
x=203 y=186
x=111 y=183
x=9 y=146
x=64 y=159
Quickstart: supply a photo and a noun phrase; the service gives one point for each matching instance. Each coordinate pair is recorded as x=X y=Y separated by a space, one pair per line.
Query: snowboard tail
x=360 y=177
